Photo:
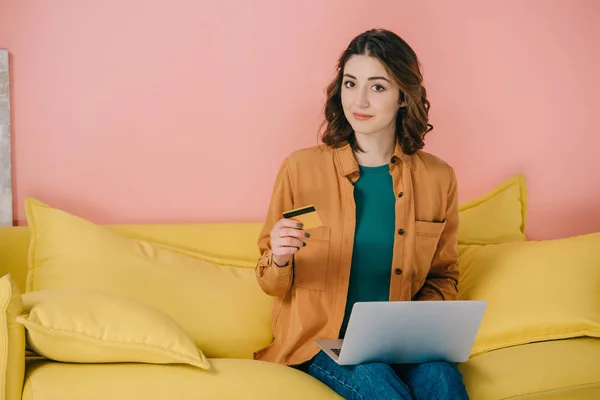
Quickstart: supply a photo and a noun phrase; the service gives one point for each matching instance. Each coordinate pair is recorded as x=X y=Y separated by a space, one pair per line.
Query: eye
x=349 y=84
x=378 y=88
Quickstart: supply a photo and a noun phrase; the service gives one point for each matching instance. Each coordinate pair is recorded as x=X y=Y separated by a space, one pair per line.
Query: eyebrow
x=370 y=79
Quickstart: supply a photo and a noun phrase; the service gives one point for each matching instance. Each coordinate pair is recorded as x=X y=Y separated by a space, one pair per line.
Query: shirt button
x=400 y=194
x=400 y=231
x=398 y=271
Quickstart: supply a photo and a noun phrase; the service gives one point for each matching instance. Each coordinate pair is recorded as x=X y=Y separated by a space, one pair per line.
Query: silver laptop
x=407 y=332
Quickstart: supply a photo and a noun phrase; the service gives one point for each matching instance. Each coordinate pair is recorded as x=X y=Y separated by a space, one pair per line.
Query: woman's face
x=370 y=97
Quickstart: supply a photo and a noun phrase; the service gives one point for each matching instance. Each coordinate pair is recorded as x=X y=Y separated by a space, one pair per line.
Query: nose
x=362 y=98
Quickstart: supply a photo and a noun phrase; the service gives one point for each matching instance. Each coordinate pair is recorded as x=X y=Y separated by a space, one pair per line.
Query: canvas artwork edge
x=6 y=206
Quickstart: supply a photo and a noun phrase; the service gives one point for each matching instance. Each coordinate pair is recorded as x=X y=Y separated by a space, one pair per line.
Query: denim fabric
x=432 y=380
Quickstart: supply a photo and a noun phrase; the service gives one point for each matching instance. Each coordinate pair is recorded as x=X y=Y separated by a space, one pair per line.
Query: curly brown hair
x=400 y=61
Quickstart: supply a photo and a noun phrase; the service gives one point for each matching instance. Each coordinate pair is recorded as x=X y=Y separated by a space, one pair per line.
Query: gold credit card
x=307 y=215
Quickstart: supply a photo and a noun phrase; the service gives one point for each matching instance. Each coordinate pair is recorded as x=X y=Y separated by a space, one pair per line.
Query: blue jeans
x=432 y=380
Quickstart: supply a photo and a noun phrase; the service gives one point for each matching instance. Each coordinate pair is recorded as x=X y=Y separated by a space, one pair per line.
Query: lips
x=362 y=117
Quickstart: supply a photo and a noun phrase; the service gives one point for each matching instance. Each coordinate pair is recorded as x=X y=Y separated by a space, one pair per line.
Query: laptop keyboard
x=336 y=351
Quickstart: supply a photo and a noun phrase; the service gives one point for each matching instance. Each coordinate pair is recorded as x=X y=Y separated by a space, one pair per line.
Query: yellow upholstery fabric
x=536 y=290
x=557 y=369
x=221 y=307
x=233 y=241
x=496 y=217
x=229 y=379
x=86 y=326
x=12 y=341
x=14 y=242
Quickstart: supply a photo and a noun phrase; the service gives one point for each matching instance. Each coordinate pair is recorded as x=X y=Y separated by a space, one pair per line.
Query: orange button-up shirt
x=310 y=293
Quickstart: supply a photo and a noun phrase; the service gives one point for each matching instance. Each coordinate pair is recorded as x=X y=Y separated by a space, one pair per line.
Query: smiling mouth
x=361 y=117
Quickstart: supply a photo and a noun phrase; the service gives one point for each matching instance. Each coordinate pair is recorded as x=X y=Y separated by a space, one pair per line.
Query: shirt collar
x=349 y=165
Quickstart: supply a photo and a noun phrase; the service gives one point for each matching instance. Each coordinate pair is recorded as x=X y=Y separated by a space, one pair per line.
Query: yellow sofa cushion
x=87 y=326
x=232 y=243
x=228 y=379
x=498 y=216
x=535 y=290
x=220 y=307
x=12 y=341
x=555 y=369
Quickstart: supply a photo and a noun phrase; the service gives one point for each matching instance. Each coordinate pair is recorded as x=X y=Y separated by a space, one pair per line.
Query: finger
x=288 y=241
x=288 y=223
x=289 y=232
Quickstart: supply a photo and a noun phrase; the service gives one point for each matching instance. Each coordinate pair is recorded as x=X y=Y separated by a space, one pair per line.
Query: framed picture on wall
x=6 y=212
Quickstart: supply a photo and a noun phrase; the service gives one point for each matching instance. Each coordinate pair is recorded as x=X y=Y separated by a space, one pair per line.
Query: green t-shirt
x=373 y=240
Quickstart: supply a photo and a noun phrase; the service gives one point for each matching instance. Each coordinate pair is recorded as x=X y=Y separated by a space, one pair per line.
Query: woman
x=389 y=227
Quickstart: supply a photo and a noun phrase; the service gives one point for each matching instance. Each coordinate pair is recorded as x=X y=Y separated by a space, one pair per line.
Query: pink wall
x=152 y=111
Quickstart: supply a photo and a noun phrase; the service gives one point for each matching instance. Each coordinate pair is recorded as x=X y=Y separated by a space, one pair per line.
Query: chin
x=365 y=129
x=363 y=126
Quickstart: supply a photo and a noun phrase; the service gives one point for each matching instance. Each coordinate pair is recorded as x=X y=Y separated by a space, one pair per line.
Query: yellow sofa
x=561 y=368
x=229 y=378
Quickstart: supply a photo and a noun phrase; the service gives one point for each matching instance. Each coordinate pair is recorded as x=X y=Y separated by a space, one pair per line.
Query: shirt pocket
x=427 y=237
x=312 y=261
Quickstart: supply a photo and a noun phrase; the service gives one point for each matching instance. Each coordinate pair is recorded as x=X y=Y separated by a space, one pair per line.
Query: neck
x=377 y=148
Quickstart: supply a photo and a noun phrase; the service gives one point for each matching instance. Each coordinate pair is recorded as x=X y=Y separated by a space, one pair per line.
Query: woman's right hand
x=286 y=239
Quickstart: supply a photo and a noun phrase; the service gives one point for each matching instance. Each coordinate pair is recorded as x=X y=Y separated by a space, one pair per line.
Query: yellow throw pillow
x=536 y=290
x=496 y=217
x=86 y=326
x=221 y=308
x=12 y=341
